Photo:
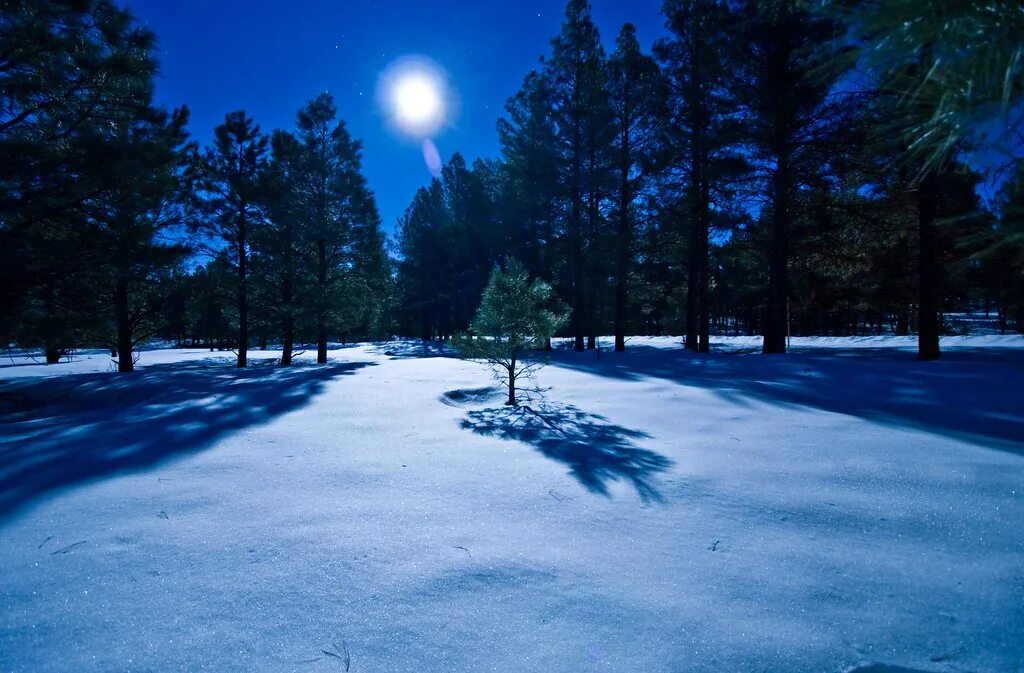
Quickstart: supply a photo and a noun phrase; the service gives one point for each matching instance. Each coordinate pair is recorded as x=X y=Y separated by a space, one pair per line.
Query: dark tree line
x=115 y=228
x=773 y=167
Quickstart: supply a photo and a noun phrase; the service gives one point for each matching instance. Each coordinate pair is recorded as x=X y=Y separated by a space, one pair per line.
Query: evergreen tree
x=700 y=59
x=633 y=87
x=68 y=69
x=468 y=256
x=423 y=252
x=951 y=76
x=340 y=223
x=515 y=316
x=140 y=198
x=232 y=182
x=791 y=66
x=956 y=67
x=577 y=72
x=278 y=242
x=1002 y=254
x=530 y=196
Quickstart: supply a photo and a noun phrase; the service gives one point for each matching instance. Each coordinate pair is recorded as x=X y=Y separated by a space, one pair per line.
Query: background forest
x=773 y=168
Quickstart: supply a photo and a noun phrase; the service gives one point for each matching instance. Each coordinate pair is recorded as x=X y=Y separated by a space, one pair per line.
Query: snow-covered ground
x=835 y=508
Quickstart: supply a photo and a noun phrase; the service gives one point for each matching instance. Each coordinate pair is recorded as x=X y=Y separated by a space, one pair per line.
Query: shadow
x=884 y=668
x=465 y=397
x=971 y=394
x=595 y=451
x=12 y=365
x=73 y=429
x=412 y=348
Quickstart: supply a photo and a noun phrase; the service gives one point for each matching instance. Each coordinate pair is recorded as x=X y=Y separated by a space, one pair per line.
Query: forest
x=677 y=336
x=782 y=168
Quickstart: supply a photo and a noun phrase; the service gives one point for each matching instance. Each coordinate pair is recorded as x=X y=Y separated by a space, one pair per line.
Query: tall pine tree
x=233 y=179
x=790 y=69
x=577 y=72
x=634 y=91
x=700 y=59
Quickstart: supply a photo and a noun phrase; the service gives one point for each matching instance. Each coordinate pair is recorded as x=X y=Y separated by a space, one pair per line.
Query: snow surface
x=844 y=507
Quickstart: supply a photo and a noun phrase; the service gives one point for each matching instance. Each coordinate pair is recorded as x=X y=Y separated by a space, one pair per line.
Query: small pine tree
x=515 y=315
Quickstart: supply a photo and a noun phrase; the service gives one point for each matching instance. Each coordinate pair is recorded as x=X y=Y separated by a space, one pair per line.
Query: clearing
x=844 y=507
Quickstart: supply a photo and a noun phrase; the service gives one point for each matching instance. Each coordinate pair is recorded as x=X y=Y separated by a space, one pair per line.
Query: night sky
x=269 y=58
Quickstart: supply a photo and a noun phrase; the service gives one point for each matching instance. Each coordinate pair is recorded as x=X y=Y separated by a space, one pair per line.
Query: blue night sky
x=269 y=58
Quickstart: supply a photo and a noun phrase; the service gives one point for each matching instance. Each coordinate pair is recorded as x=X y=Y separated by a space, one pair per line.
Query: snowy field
x=841 y=508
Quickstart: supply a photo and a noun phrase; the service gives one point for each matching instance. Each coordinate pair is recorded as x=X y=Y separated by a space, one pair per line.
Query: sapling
x=516 y=315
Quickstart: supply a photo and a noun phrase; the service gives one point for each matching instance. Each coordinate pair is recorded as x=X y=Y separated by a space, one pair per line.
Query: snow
x=841 y=508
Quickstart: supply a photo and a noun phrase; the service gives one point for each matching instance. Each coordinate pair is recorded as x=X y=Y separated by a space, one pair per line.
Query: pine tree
x=232 y=181
x=634 y=89
x=956 y=67
x=338 y=213
x=791 y=65
x=700 y=60
x=143 y=162
x=68 y=70
x=951 y=77
x=1002 y=254
x=423 y=252
x=514 y=317
x=278 y=242
x=529 y=198
x=577 y=71
x=469 y=250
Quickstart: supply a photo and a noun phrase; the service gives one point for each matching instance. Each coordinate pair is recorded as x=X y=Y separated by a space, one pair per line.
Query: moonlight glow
x=414 y=95
x=416 y=99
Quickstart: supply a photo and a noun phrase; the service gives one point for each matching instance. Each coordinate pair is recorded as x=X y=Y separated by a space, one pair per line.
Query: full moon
x=416 y=99
x=414 y=95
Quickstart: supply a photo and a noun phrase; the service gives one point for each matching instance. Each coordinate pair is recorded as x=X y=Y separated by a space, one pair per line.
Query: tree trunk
x=690 y=339
x=287 y=297
x=704 y=271
x=577 y=322
x=243 y=305
x=124 y=327
x=902 y=321
x=622 y=270
x=927 y=304
x=321 y=344
x=288 y=342
x=512 y=384
x=778 y=261
x=577 y=293
x=321 y=318
x=52 y=348
x=693 y=263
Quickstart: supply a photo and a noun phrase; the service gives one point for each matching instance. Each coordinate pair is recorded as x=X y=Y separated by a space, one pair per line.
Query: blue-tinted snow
x=841 y=508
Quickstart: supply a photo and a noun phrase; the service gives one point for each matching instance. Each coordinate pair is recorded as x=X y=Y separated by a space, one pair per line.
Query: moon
x=417 y=99
x=415 y=96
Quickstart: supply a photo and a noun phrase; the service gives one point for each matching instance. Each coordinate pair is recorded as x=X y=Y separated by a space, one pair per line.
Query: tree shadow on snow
x=595 y=450
x=883 y=668
x=71 y=429
x=970 y=394
x=402 y=349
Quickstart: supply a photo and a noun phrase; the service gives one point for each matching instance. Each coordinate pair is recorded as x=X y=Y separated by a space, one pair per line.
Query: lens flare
x=431 y=157
x=414 y=95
